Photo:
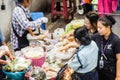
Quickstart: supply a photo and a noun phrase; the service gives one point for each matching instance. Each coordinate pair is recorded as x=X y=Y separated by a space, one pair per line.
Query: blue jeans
x=93 y=75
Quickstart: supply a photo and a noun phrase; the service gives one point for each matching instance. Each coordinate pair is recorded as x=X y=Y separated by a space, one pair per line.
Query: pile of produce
x=33 y=52
x=73 y=25
x=50 y=70
x=18 y=64
x=62 y=55
x=36 y=73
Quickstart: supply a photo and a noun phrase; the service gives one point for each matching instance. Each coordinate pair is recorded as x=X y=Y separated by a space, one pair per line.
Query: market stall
x=44 y=52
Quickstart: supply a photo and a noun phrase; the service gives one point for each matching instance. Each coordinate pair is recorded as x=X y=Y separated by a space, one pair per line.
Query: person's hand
x=65 y=36
x=44 y=19
x=12 y=57
x=2 y=52
x=62 y=49
x=3 y=62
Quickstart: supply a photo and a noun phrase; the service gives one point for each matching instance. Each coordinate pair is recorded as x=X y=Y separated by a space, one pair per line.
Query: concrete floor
x=116 y=27
x=60 y=22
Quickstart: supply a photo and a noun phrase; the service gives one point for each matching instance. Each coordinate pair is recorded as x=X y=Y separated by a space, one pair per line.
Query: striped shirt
x=21 y=23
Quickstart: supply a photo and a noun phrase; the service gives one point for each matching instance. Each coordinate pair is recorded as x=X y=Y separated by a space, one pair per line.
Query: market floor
x=60 y=22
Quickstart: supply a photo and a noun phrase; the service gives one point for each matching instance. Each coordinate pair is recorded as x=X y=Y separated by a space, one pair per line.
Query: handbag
x=74 y=76
x=60 y=74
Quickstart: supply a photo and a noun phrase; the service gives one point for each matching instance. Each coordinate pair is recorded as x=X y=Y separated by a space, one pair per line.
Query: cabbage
x=17 y=65
x=73 y=25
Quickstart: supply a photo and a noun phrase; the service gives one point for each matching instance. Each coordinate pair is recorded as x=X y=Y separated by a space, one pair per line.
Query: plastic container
x=36 y=15
x=15 y=75
x=37 y=61
x=43 y=26
x=52 y=79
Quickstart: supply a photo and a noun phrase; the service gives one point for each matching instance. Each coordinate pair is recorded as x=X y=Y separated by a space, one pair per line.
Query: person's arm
x=2 y=52
x=75 y=64
x=72 y=44
x=68 y=34
x=24 y=22
x=118 y=67
x=5 y=51
x=8 y=53
x=3 y=43
x=3 y=62
x=117 y=51
x=2 y=38
x=31 y=32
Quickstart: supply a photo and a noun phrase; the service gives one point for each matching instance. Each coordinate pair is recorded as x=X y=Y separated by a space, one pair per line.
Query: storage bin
x=36 y=15
x=37 y=61
x=16 y=75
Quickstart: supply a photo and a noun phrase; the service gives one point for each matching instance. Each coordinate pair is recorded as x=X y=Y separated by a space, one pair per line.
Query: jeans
x=93 y=75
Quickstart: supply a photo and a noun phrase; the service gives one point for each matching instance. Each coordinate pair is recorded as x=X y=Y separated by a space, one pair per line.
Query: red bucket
x=52 y=79
x=37 y=61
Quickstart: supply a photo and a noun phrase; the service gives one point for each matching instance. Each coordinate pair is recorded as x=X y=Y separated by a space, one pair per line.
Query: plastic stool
x=57 y=9
x=36 y=15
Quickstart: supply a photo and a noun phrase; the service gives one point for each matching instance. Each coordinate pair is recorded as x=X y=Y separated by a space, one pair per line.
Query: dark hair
x=21 y=1
x=82 y=35
x=93 y=18
x=107 y=20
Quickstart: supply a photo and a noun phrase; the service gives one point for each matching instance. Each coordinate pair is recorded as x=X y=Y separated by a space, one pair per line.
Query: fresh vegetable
x=18 y=64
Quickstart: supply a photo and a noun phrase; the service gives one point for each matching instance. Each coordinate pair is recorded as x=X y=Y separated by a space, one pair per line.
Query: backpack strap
x=79 y=58
x=79 y=62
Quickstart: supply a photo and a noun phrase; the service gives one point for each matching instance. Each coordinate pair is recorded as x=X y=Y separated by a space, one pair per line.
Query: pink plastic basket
x=52 y=79
x=37 y=61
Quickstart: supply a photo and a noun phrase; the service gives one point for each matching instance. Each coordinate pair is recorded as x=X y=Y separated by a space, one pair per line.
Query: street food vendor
x=22 y=24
